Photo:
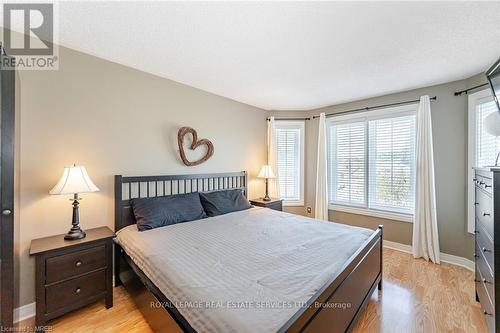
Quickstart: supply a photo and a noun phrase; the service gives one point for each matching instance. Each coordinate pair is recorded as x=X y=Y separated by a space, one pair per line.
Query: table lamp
x=74 y=180
x=267 y=173
x=492 y=126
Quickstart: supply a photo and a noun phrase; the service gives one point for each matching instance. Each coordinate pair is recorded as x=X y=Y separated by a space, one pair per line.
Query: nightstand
x=276 y=204
x=72 y=273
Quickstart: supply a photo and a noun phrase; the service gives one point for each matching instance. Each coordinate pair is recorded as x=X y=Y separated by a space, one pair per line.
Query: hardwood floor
x=417 y=297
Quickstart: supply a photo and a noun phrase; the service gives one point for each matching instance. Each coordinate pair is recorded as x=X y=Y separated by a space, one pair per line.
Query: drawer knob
x=78 y=263
x=485 y=281
x=476 y=203
x=486 y=185
x=485 y=249
x=481 y=183
x=476 y=256
x=78 y=290
x=486 y=313
x=486 y=214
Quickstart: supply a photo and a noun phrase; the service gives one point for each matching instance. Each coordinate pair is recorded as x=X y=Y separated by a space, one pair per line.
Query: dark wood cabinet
x=487 y=248
x=72 y=274
x=276 y=204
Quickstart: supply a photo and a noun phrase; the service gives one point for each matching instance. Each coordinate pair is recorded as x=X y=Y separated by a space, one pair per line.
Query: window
x=371 y=162
x=348 y=163
x=392 y=164
x=487 y=145
x=290 y=146
x=483 y=147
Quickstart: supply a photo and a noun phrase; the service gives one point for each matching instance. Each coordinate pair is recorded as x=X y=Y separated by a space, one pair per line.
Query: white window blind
x=347 y=163
x=487 y=146
x=392 y=164
x=371 y=161
x=289 y=142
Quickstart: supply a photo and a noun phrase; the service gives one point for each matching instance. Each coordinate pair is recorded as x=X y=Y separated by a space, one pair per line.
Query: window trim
x=372 y=212
x=472 y=101
x=398 y=111
x=301 y=125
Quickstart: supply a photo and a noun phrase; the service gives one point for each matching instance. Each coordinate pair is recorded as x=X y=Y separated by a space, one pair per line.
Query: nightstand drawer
x=75 y=290
x=75 y=263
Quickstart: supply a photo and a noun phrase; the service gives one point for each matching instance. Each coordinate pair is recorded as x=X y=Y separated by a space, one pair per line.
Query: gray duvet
x=246 y=271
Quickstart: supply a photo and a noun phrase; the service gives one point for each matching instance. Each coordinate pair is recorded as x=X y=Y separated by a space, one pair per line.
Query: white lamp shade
x=266 y=172
x=74 y=180
x=492 y=123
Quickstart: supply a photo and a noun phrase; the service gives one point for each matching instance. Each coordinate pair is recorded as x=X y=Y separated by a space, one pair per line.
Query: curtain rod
x=466 y=91
x=289 y=119
x=373 y=107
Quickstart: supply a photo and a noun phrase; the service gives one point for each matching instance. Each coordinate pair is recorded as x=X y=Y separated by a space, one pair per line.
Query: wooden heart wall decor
x=194 y=144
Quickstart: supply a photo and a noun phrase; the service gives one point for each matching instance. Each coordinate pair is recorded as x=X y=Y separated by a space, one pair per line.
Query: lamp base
x=266 y=197
x=75 y=233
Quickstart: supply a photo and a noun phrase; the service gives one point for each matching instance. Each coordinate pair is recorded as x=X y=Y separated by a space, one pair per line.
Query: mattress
x=247 y=271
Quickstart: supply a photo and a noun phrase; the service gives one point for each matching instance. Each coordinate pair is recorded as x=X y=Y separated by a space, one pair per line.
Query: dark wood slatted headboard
x=128 y=188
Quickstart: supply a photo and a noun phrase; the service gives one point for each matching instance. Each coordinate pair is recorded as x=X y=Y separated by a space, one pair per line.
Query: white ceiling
x=290 y=55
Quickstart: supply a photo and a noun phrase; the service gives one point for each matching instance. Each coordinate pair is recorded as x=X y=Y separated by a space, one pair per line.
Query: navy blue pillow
x=223 y=202
x=157 y=212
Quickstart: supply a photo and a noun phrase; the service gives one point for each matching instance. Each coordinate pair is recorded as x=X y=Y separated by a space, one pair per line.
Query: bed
x=255 y=270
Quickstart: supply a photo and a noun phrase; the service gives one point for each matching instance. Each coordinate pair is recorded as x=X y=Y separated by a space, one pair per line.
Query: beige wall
x=449 y=117
x=115 y=120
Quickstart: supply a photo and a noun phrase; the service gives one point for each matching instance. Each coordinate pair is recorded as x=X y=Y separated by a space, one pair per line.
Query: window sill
x=291 y=203
x=372 y=212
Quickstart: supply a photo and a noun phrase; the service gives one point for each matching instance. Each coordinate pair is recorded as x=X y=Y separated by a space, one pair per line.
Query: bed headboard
x=128 y=188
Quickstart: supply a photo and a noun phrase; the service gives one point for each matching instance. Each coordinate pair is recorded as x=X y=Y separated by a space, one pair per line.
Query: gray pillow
x=223 y=202
x=157 y=212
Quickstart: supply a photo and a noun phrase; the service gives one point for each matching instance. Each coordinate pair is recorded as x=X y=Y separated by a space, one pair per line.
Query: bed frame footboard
x=337 y=306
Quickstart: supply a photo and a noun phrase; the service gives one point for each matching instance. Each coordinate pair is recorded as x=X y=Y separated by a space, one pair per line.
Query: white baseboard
x=24 y=312
x=397 y=246
x=445 y=257
x=458 y=261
